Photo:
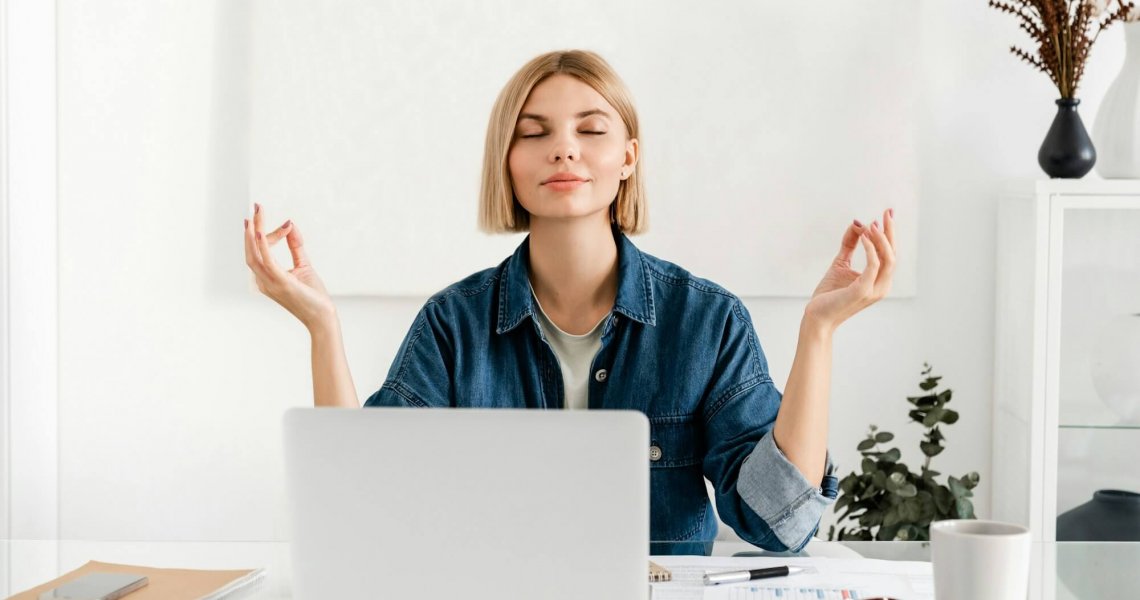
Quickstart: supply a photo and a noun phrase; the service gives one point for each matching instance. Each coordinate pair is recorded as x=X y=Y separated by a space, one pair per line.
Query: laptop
x=482 y=504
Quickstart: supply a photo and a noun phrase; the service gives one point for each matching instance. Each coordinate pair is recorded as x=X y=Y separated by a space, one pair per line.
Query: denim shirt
x=676 y=347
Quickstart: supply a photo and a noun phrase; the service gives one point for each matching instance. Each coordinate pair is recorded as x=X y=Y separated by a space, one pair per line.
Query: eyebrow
x=581 y=115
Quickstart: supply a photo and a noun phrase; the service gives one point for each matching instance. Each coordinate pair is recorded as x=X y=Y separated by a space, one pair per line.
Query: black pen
x=750 y=574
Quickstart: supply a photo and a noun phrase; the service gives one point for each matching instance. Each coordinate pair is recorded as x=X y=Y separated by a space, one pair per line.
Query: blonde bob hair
x=499 y=209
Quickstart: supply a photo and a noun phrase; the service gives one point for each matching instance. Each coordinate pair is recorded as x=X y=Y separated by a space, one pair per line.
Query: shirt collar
x=634 y=295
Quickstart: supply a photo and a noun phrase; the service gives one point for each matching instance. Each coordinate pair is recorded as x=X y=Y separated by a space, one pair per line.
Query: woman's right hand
x=299 y=290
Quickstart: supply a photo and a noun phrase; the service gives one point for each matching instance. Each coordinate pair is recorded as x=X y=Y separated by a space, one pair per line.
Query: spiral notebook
x=659 y=573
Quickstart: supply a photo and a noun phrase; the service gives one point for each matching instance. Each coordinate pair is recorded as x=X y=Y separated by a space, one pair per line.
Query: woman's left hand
x=844 y=291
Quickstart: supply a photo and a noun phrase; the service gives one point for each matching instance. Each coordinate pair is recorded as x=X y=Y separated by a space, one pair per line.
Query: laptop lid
x=474 y=503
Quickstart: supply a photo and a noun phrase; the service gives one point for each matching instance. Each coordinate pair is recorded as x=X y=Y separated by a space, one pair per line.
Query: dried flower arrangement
x=1061 y=29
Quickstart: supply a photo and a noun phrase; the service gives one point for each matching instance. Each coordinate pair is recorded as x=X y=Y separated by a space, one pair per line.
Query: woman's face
x=567 y=128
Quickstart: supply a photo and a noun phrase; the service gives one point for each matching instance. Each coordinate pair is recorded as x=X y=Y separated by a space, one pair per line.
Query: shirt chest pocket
x=674 y=442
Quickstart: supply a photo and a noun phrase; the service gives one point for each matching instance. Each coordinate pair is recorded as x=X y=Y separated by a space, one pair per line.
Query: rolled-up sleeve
x=758 y=491
x=775 y=490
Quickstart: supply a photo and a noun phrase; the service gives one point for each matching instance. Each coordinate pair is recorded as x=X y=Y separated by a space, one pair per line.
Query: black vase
x=1067 y=151
x=1111 y=516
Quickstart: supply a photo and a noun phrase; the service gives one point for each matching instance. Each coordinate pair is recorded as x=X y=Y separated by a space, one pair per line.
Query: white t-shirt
x=575 y=355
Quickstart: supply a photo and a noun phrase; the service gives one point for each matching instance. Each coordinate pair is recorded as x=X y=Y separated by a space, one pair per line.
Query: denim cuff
x=780 y=495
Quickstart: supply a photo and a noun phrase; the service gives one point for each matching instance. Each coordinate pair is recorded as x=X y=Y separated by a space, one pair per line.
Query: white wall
x=395 y=105
x=28 y=313
x=173 y=378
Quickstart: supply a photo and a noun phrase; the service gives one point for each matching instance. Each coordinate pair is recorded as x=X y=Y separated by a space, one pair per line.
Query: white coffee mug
x=979 y=560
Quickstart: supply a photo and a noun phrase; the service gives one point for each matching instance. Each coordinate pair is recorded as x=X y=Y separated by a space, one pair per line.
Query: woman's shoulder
x=475 y=288
x=691 y=301
x=674 y=279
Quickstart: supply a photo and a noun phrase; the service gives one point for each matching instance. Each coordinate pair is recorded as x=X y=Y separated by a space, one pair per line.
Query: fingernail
x=245 y=223
x=857 y=223
x=875 y=224
x=256 y=208
x=891 y=212
x=287 y=224
x=259 y=235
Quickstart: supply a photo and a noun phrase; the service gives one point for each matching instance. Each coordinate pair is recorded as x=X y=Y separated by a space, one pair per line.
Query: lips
x=563 y=177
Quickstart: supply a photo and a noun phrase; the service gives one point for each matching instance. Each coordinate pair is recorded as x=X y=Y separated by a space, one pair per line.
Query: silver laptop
x=413 y=503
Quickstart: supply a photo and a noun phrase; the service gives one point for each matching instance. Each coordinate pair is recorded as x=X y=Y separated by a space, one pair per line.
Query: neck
x=574 y=270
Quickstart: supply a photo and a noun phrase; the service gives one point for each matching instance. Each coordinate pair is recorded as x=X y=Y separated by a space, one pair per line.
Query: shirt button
x=654 y=453
x=600 y=376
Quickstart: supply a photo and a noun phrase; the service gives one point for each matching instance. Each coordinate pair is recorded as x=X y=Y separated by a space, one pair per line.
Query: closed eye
x=540 y=135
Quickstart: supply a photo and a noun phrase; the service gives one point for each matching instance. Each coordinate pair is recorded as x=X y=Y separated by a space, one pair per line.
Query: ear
x=631 y=156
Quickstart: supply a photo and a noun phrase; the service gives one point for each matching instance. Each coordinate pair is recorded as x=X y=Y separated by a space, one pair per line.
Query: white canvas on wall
x=765 y=131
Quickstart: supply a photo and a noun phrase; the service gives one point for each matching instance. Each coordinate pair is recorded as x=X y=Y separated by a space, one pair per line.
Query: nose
x=564 y=147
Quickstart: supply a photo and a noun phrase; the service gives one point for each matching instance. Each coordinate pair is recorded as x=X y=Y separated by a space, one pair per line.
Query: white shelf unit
x=1054 y=440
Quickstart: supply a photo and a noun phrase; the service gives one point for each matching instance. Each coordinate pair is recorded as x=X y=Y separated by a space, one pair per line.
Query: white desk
x=1093 y=570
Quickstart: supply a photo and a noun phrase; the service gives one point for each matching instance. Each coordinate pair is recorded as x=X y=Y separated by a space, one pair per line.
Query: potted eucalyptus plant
x=886 y=499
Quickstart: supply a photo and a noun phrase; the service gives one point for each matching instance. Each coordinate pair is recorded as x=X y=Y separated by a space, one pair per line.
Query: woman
x=578 y=317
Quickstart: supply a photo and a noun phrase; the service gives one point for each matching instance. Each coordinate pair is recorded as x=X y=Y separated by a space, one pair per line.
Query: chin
x=567 y=213
x=564 y=207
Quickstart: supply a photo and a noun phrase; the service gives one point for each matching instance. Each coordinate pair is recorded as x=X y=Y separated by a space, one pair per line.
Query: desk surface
x=1060 y=570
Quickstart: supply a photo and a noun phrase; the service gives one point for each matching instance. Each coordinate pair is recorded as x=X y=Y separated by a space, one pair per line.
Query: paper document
x=826 y=578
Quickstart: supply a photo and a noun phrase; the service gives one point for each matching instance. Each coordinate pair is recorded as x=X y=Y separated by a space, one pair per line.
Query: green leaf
x=870 y=519
x=897 y=478
x=914 y=509
x=951 y=417
x=944 y=500
x=890 y=485
x=892 y=455
x=856 y=535
x=887 y=534
x=907 y=491
x=869 y=466
x=847 y=484
x=927 y=511
x=892 y=517
x=924 y=402
x=933 y=417
x=929 y=384
x=917 y=415
x=959 y=489
x=879 y=480
x=965 y=509
x=842 y=502
x=884 y=437
x=930 y=449
x=865 y=445
x=971 y=480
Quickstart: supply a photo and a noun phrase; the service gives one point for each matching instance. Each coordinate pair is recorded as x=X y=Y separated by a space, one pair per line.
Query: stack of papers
x=826 y=578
